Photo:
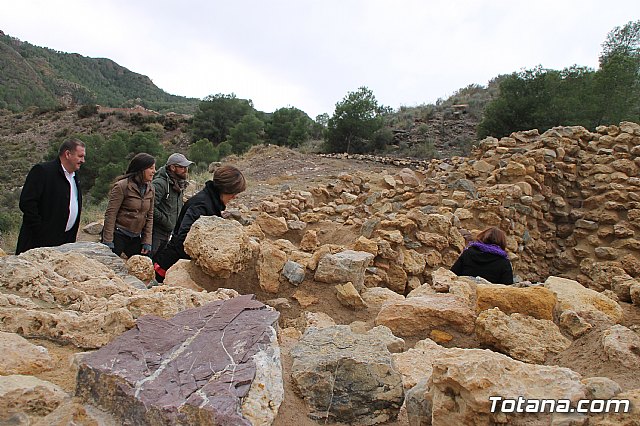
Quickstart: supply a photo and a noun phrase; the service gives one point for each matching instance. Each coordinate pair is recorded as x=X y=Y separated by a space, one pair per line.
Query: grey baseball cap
x=178 y=159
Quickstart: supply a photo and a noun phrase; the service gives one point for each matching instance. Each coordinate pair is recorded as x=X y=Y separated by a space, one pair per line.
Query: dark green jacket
x=168 y=201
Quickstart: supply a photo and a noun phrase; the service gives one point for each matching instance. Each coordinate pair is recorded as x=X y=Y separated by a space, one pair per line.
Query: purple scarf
x=488 y=248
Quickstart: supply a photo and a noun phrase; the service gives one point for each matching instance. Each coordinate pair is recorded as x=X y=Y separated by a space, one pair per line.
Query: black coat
x=44 y=202
x=476 y=263
x=205 y=203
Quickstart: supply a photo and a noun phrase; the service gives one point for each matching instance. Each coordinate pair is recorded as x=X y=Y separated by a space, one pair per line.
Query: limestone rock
x=365 y=244
x=29 y=394
x=423 y=290
x=375 y=297
x=271 y=225
x=346 y=377
x=141 y=267
x=465 y=287
x=69 y=298
x=617 y=419
x=623 y=346
x=219 y=246
x=309 y=241
x=345 y=266
x=96 y=251
x=601 y=387
x=270 y=264
x=19 y=356
x=538 y=302
x=520 y=336
x=461 y=385
x=393 y=343
x=589 y=304
x=219 y=363
x=573 y=323
x=93 y=228
x=315 y=320
x=349 y=296
x=415 y=364
x=180 y=274
x=417 y=316
x=634 y=293
x=305 y=298
x=73 y=412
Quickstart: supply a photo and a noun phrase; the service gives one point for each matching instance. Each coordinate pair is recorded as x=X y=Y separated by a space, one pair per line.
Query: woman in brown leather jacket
x=128 y=220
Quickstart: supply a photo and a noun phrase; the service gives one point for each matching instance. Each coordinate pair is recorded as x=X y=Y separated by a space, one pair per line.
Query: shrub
x=87 y=111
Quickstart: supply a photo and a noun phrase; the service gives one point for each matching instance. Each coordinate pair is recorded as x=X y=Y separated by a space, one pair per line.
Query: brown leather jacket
x=128 y=209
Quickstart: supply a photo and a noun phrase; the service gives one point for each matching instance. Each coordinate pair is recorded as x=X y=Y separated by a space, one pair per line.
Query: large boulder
x=418 y=316
x=346 y=377
x=342 y=267
x=622 y=345
x=470 y=386
x=219 y=246
x=70 y=298
x=19 y=356
x=30 y=395
x=217 y=364
x=538 y=302
x=520 y=336
x=589 y=304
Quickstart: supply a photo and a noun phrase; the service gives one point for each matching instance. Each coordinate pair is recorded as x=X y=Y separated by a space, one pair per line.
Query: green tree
x=217 y=115
x=542 y=98
x=617 y=82
x=203 y=152
x=621 y=41
x=111 y=161
x=355 y=121
x=288 y=127
x=248 y=132
x=148 y=142
x=224 y=149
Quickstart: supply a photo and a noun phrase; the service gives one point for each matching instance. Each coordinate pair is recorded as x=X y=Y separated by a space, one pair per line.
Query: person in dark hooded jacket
x=227 y=182
x=486 y=257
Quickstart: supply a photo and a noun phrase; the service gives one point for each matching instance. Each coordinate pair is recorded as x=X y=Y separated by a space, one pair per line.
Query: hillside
x=46 y=78
x=25 y=137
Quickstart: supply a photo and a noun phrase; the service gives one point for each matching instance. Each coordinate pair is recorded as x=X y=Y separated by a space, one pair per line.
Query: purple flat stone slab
x=194 y=368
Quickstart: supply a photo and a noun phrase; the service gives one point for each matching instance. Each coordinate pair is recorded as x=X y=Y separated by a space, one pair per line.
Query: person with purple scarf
x=486 y=257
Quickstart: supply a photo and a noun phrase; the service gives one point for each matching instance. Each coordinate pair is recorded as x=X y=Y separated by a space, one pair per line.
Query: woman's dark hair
x=493 y=235
x=139 y=163
x=229 y=180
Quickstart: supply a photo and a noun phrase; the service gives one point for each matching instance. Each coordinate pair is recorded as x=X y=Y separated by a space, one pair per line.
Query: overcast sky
x=310 y=54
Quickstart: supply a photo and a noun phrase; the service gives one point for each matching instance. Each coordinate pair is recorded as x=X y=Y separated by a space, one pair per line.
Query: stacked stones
x=568 y=200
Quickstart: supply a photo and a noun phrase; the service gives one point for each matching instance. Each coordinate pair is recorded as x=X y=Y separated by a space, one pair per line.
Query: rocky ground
x=296 y=204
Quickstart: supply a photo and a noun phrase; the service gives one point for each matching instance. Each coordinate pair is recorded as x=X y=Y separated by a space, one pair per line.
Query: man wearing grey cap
x=169 y=182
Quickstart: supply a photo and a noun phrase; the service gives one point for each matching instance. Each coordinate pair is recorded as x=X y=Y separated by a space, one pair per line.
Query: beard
x=179 y=173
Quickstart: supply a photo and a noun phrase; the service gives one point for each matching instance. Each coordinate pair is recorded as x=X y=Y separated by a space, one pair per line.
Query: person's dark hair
x=493 y=235
x=69 y=145
x=139 y=163
x=229 y=180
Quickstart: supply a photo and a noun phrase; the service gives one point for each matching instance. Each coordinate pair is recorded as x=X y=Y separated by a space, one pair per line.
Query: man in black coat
x=51 y=200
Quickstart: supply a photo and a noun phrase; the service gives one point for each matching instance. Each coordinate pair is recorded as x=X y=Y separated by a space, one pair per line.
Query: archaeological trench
x=349 y=282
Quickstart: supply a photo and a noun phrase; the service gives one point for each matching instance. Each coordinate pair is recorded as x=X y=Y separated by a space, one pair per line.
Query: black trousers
x=128 y=245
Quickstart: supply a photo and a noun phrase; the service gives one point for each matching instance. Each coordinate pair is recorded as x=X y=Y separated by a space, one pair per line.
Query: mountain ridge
x=50 y=79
